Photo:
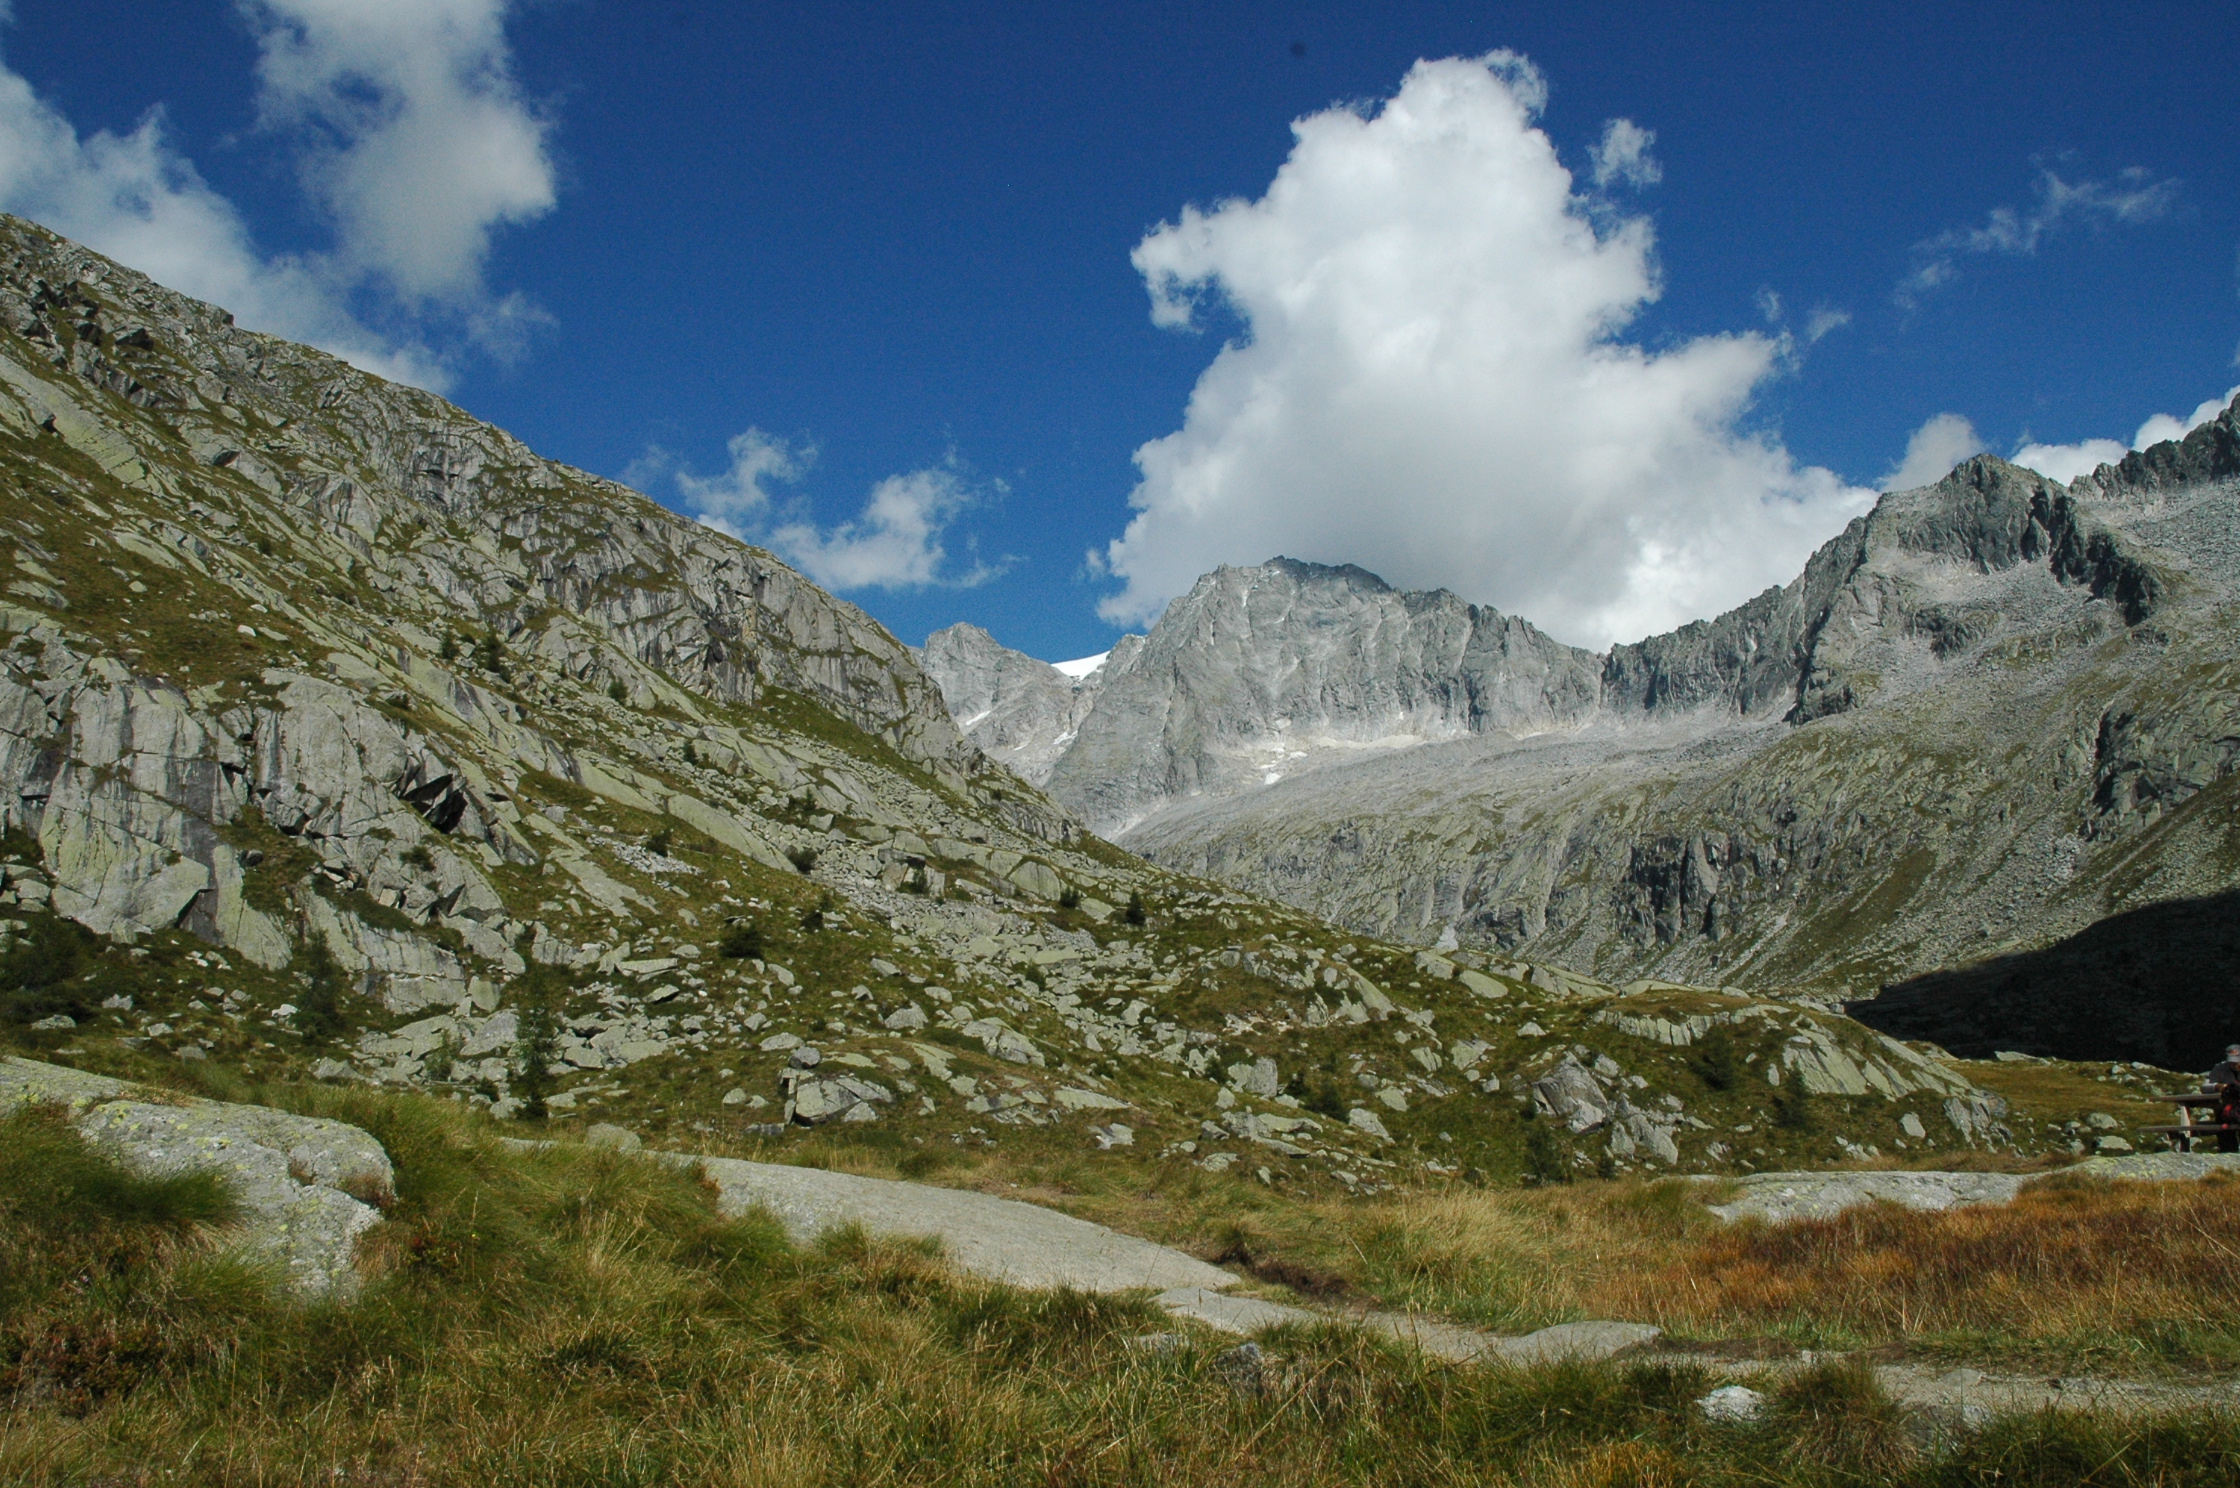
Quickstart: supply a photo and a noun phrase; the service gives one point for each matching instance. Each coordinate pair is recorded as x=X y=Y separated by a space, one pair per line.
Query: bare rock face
x=302 y=1182
x=1263 y=673
x=1020 y=712
x=1986 y=715
x=368 y=616
x=407 y=493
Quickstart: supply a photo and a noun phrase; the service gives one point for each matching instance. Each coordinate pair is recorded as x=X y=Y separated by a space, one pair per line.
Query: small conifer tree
x=1716 y=1061
x=538 y=1044
x=319 y=1012
x=1543 y=1155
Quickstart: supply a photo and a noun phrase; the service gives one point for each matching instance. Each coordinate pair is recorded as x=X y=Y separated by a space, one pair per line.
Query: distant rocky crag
x=1988 y=713
x=1021 y=712
x=1255 y=675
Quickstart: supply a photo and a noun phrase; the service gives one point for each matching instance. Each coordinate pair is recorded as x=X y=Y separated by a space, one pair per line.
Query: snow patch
x=1082 y=666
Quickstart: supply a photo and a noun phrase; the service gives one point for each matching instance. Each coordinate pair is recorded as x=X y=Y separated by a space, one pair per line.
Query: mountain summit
x=1262 y=673
x=1990 y=712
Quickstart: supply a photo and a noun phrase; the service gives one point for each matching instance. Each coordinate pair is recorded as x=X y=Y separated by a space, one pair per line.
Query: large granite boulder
x=307 y=1187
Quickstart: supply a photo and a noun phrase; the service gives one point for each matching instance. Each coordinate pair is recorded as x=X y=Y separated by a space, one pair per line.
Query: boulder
x=1776 y=1197
x=814 y=1100
x=609 y=1137
x=1570 y=1093
x=1003 y=1041
x=1256 y=1078
x=1037 y=879
x=1362 y=1119
x=1732 y=1405
x=303 y=1182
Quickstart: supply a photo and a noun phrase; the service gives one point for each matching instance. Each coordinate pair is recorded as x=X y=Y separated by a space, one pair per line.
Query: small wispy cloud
x=898 y=541
x=1823 y=320
x=1931 y=452
x=2133 y=197
x=1622 y=156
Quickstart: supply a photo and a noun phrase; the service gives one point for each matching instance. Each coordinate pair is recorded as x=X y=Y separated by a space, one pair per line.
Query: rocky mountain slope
x=1989 y=713
x=1259 y=674
x=1019 y=711
x=2159 y=983
x=343 y=737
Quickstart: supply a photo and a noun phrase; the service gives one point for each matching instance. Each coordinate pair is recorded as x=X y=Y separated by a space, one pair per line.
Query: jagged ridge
x=1961 y=728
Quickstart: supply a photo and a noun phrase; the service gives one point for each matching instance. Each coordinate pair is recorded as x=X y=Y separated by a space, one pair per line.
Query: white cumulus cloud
x=898 y=541
x=416 y=140
x=1934 y=448
x=1435 y=383
x=2135 y=196
x=411 y=138
x=739 y=500
x=2065 y=462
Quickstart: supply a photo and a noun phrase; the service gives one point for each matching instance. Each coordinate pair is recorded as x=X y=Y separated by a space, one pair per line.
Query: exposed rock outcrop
x=360 y=597
x=1260 y=673
x=417 y=503
x=1021 y=712
x=303 y=1183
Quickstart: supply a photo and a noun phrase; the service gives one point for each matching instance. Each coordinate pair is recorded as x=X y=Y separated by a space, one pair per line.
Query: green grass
x=576 y=1317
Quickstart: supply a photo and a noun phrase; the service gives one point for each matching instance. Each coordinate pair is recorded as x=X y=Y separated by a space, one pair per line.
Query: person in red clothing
x=2224 y=1083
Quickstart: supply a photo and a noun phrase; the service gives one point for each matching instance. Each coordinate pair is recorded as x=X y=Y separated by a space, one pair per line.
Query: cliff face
x=417 y=503
x=1257 y=674
x=253 y=587
x=1988 y=713
x=1019 y=711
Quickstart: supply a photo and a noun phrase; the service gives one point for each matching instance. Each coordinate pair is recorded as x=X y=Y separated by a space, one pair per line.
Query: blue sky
x=911 y=248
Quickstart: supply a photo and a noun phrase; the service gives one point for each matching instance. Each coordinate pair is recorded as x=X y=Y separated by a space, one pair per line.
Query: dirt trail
x=1023 y=1244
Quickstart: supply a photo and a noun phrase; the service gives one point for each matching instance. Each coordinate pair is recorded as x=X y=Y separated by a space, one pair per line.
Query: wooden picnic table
x=2182 y=1135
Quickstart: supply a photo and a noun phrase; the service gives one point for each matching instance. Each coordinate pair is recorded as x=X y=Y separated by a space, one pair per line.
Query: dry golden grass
x=2112 y=1275
x=2117 y=1274
x=2124 y=1268
x=575 y=1318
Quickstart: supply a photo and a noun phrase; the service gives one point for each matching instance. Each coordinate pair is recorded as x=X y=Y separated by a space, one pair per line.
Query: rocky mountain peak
x=1263 y=672
x=1990 y=711
x=2206 y=455
x=1021 y=712
x=1351 y=575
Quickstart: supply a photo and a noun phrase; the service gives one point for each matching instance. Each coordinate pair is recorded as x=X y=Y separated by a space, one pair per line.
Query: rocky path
x=1025 y=1245
x=1019 y=1244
